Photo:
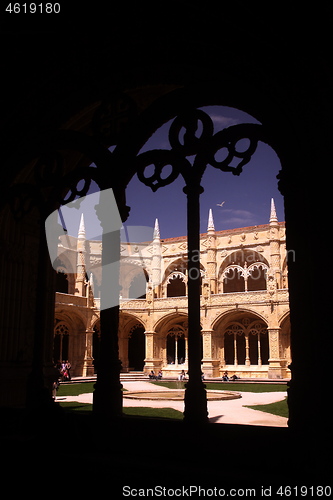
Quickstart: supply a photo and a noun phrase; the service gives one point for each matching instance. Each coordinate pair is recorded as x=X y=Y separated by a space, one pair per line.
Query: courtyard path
x=228 y=412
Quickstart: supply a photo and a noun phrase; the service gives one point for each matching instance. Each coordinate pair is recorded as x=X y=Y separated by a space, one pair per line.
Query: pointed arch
x=65 y=280
x=69 y=339
x=243 y=339
x=61 y=342
x=134 y=277
x=168 y=320
x=257 y=276
x=176 y=284
x=243 y=270
x=234 y=315
x=132 y=350
x=175 y=278
x=136 y=347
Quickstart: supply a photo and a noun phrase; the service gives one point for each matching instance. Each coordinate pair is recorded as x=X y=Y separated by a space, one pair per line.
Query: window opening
x=61 y=343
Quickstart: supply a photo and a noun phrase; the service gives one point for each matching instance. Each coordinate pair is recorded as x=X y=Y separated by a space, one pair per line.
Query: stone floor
x=227 y=412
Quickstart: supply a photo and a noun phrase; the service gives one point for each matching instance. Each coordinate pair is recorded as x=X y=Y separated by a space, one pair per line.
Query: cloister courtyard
x=257 y=403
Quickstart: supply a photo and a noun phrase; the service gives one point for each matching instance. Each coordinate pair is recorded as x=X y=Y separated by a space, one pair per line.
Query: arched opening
x=172 y=335
x=61 y=282
x=176 y=346
x=176 y=286
x=257 y=278
x=233 y=280
x=246 y=343
x=258 y=343
x=136 y=348
x=175 y=278
x=234 y=341
x=71 y=339
x=243 y=270
x=61 y=343
x=137 y=288
x=243 y=343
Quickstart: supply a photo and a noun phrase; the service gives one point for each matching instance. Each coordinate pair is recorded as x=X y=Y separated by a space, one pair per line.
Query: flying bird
x=220 y=204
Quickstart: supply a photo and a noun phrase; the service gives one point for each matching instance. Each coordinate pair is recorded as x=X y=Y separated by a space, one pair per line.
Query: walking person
x=68 y=368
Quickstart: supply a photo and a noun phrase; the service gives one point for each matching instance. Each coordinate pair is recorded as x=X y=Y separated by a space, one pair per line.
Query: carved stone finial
x=211 y=226
x=273 y=217
x=156 y=234
x=82 y=229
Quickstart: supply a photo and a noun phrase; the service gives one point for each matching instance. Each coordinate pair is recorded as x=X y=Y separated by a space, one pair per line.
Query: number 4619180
x=33 y=8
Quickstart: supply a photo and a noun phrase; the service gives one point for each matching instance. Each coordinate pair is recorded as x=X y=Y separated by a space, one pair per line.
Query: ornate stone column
x=275 y=369
x=235 y=350
x=259 y=350
x=247 y=350
x=209 y=365
x=211 y=253
x=151 y=361
x=186 y=350
x=221 y=352
x=88 y=366
x=149 y=349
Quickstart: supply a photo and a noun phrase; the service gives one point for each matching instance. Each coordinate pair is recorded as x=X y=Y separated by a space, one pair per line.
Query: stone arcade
x=244 y=303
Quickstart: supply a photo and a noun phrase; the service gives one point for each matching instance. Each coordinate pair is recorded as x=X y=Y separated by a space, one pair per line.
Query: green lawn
x=88 y=387
x=154 y=412
x=75 y=389
x=279 y=408
x=230 y=386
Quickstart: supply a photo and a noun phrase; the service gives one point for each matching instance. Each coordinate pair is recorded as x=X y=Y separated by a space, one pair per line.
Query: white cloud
x=238 y=217
x=222 y=122
x=241 y=213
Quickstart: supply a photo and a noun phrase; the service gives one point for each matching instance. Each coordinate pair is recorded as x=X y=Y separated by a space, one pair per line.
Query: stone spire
x=211 y=257
x=211 y=227
x=91 y=281
x=80 y=285
x=274 y=244
x=156 y=234
x=82 y=229
x=273 y=217
x=157 y=259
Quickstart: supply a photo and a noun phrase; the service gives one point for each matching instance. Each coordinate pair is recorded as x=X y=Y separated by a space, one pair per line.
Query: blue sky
x=247 y=197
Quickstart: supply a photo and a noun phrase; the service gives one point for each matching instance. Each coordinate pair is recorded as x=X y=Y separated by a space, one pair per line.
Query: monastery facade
x=244 y=303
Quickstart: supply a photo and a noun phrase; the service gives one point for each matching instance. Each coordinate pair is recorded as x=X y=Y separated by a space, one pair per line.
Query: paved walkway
x=227 y=412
